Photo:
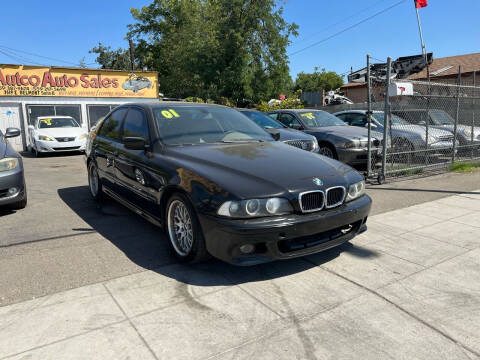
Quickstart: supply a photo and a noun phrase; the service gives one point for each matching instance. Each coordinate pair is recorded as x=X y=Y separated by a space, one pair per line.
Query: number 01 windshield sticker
x=308 y=115
x=170 y=113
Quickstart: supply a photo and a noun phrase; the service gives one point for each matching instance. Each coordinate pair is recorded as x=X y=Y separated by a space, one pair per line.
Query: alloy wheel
x=326 y=151
x=180 y=228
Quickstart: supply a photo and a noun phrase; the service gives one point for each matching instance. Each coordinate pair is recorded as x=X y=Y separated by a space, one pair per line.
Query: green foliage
x=112 y=59
x=318 y=80
x=213 y=49
x=465 y=166
x=194 y=99
x=292 y=102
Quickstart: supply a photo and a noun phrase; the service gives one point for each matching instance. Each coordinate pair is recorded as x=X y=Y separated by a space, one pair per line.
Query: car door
x=132 y=167
x=290 y=121
x=105 y=147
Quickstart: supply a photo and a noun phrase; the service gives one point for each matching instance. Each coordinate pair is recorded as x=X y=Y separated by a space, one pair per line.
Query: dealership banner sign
x=18 y=80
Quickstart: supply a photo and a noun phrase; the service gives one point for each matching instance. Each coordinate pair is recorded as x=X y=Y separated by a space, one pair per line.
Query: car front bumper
x=356 y=156
x=12 y=179
x=56 y=146
x=284 y=237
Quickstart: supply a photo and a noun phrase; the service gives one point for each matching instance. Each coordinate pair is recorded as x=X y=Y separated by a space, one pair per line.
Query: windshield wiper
x=240 y=141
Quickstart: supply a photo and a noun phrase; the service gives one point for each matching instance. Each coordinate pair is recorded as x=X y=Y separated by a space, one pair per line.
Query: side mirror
x=31 y=127
x=12 y=132
x=134 y=143
x=275 y=135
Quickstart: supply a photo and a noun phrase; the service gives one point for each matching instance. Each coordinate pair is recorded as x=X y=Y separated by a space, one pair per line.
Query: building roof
x=448 y=66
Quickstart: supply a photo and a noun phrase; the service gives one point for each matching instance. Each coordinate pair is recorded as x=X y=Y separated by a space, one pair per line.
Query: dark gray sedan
x=287 y=135
x=12 y=181
x=336 y=139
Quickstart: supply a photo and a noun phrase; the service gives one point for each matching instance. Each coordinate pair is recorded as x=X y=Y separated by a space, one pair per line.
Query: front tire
x=94 y=184
x=183 y=230
x=328 y=151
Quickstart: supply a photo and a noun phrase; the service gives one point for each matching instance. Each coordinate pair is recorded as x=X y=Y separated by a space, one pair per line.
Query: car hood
x=348 y=132
x=421 y=130
x=252 y=170
x=62 y=132
x=290 y=134
x=460 y=128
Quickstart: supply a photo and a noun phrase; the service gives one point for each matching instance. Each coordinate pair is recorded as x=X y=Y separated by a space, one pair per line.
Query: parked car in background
x=221 y=185
x=440 y=119
x=56 y=134
x=13 y=192
x=336 y=139
x=405 y=137
x=287 y=135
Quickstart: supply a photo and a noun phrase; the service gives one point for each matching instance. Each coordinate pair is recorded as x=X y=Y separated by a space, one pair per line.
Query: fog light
x=247 y=249
x=12 y=191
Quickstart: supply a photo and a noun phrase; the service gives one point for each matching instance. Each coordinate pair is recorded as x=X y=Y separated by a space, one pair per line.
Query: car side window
x=135 y=124
x=274 y=116
x=343 y=117
x=357 y=120
x=111 y=126
x=289 y=120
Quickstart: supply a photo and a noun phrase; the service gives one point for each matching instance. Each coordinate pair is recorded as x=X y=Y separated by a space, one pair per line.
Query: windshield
x=380 y=117
x=56 y=123
x=320 y=119
x=441 y=118
x=262 y=120
x=191 y=125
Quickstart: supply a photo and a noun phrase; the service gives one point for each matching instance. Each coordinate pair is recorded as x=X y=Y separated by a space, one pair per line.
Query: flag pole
x=424 y=51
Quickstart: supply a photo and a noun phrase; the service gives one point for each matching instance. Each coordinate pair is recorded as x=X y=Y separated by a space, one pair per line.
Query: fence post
x=456 y=115
x=473 y=113
x=369 y=120
x=386 y=125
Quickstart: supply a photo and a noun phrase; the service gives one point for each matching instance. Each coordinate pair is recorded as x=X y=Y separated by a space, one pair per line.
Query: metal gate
x=10 y=116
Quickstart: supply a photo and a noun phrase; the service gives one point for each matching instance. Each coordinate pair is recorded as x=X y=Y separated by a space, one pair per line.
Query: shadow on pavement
x=428 y=190
x=146 y=245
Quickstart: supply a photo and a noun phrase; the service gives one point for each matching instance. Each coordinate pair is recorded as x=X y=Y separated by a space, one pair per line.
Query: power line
x=19 y=59
x=348 y=28
x=40 y=56
x=339 y=22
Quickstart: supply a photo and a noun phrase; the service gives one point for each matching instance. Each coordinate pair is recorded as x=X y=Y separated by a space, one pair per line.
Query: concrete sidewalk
x=408 y=288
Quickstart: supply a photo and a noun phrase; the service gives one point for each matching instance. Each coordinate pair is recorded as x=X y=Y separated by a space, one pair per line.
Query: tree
x=112 y=59
x=234 y=49
x=317 y=81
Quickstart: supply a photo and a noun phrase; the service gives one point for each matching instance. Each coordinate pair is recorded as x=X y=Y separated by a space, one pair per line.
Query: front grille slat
x=301 y=144
x=66 y=148
x=65 y=139
x=335 y=196
x=312 y=201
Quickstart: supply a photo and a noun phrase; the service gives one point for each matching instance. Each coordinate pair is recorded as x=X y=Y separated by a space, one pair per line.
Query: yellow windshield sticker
x=47 y=121
x=170 y=113
x=308 y=115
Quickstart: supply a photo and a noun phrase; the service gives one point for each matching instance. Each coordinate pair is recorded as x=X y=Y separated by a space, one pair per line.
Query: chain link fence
x=426 y=126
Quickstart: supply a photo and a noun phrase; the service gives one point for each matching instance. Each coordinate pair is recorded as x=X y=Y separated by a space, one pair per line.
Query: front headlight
x=352 y=144
x=8 y=164
x=468 y=133
x=83 y=136
x=315 y=145
x=45 y=138
x=255 y=208
x=355 y=191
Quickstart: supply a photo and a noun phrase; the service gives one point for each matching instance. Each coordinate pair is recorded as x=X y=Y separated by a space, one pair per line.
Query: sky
x=64 y=31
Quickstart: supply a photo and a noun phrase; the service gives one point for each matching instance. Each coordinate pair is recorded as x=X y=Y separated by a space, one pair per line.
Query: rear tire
x=183 y=230
x=94 y=184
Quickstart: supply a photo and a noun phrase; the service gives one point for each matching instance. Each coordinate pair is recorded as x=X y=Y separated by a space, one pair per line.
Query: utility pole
x=424 y=50
x=132 y=59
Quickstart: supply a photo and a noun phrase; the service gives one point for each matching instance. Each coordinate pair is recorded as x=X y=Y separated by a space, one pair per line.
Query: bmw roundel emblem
x=317 y=181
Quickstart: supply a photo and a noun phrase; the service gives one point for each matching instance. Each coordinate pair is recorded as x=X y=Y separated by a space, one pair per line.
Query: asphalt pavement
x=82 y=280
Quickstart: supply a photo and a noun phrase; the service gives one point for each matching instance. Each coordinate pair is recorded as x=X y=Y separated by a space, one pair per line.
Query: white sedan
x=56 y=134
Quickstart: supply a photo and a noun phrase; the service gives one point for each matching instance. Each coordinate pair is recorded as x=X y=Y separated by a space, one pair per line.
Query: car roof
x=54 y=117
x=356 y=112
x=158 y=104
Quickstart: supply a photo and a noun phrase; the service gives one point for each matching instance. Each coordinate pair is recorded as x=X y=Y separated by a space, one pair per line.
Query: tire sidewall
x=92 y=166
x=198 y=247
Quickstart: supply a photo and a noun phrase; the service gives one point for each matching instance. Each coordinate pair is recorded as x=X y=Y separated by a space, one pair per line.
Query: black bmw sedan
x=287 y=135
x=221 y=185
